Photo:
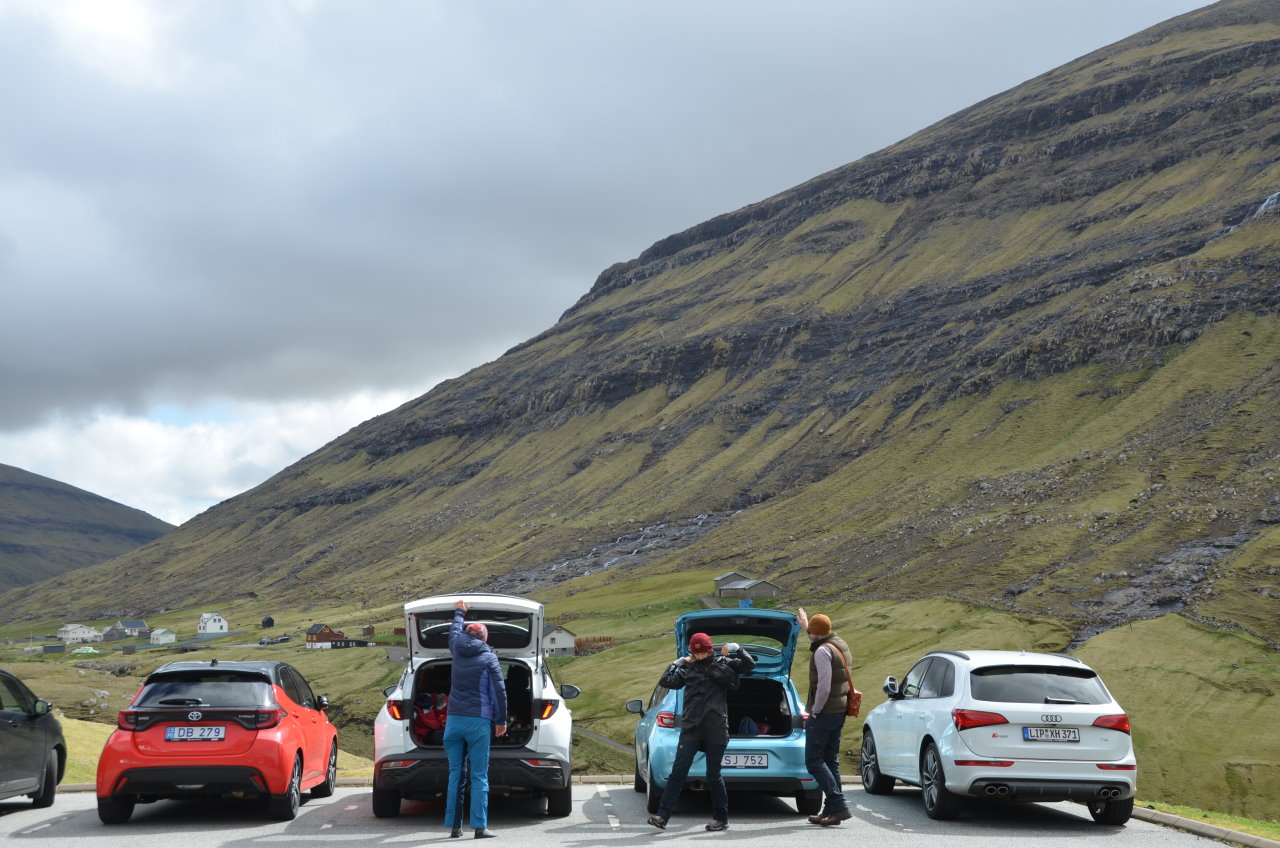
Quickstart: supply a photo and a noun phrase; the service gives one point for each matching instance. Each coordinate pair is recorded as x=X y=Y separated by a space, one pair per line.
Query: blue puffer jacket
x=476 y=688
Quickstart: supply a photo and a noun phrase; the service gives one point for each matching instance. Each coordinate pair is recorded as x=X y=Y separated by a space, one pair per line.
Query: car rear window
x=1021 y=684
x=506 y=629
x=219 y=689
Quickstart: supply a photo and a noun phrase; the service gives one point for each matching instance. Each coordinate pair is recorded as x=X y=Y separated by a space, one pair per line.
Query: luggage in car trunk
x=759 y=708
x=431 y=689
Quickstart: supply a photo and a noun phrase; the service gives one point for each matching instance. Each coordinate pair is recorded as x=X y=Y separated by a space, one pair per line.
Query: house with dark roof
x=737 y=586
x=558 y=641
x=134 y=626
x=321 y=635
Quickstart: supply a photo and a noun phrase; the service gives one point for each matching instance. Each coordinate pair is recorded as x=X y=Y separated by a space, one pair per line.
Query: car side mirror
x=322 y=702
x=891 y=688
x=42 y=707
x=635 y=706
x=568 y=690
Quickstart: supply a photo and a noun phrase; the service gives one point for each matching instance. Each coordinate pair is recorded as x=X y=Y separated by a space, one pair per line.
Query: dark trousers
x=689 y=745
x=822 y=757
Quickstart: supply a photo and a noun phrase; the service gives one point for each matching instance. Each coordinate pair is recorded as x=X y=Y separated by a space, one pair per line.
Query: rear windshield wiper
x=182 y=702
x=1049 y=700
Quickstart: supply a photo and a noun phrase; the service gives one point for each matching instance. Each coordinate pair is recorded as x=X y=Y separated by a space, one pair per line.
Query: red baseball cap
x=699 y=643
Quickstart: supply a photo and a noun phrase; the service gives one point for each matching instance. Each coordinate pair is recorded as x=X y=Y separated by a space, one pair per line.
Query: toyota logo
x=196 y=715
x=1051 y=719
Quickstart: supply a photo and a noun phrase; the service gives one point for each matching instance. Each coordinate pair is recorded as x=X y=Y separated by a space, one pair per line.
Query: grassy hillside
x=49 y=528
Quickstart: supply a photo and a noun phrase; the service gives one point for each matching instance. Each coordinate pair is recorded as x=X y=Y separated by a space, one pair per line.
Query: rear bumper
x=424 y=773
x=188 y=781
x=1023 y=789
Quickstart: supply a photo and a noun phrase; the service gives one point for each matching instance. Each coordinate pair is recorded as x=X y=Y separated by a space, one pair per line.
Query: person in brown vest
x=825 y=706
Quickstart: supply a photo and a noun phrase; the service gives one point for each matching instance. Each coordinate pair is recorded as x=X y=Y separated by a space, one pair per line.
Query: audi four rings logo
x=196 y=715
x=1051 y=719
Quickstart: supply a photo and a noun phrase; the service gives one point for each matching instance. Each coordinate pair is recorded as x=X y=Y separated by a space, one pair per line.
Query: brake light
x=394 y=710
x=262 y=719
x=544 y=708
x=666 y=719
x=127 y=720
x=967 y=719
x=1114 y=722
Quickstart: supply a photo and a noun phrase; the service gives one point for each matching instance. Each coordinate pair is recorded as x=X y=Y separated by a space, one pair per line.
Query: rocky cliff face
x=1024 y=357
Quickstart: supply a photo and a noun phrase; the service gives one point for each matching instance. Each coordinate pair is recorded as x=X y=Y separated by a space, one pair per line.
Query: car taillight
x=1114 y=722
x=262 y=719
x=966 y=719
x=127 y=720
x=666 y=719
x=544 y=708
x=395 y=710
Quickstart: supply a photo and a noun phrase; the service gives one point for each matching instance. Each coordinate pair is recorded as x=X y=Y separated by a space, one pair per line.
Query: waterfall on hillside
x=1272 y=201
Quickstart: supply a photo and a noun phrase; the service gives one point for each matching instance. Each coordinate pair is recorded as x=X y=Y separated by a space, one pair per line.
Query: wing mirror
x=635 y=706
x=568 y=690
x=322 y=702
x=891 y=688
x=42 y=707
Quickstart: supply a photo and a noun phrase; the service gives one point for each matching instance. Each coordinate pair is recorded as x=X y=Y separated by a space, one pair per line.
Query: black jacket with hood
x=707 y=684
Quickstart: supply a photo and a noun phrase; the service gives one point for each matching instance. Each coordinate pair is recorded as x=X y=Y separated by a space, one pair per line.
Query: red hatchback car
x=231 y=729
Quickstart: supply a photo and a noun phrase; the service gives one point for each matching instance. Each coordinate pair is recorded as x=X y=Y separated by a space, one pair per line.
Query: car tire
x=1111 y=812
x=873 y=782
x=285 y=807
x=560 y=801
x=43 y=797
x=653 y=795
x=386 y=803
x=809 y=803
x=939 y=802
x=640 y=783
x=115 y=810
x=325 y=789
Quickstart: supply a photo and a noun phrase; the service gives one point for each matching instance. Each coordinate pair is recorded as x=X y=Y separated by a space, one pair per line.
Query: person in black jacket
x=707 y=680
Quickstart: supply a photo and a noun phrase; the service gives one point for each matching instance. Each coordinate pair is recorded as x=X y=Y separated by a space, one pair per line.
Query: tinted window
x=13 y=698
x=205 y=689
x=295 y=687
x=1037 y=685
x=911 y=686
x=506 y=629
x=659 y=693
x=939 y=680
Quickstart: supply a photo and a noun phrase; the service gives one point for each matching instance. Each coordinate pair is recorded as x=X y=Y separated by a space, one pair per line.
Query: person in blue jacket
x=477 y=711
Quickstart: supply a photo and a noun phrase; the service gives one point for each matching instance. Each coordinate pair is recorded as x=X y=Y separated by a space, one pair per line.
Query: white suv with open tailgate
x=1002 y=724
x=534 y=757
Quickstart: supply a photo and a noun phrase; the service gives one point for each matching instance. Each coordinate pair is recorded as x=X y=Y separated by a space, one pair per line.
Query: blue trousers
x=472 y=733
x=688 y=749
x=822 y=757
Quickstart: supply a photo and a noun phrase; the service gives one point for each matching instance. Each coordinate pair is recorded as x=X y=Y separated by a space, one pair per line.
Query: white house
x=133 y=626
x=211 y=624
x=72 y=634
x=558 y=642
x=162 y=636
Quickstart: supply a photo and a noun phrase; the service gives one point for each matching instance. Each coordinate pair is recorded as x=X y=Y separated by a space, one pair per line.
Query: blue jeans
x=822 y=757
x=688 y=749
x=469 y=734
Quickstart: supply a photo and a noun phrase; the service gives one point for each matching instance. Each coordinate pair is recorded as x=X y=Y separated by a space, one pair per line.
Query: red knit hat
x=699 y=643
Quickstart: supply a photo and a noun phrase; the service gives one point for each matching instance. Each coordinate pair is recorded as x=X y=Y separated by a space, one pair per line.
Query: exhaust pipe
x=1109 y=792
x=996 y=789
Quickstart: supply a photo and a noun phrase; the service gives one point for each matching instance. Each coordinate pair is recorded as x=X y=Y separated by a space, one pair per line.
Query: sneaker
x=658 y=822
x=716 y=824
x=835 y=818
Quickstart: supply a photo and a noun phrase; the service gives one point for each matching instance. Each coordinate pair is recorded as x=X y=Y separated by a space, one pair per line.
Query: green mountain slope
x=48 y=528
x=1024 y=358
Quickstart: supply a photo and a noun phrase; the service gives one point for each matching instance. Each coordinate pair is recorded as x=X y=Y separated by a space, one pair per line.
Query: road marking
x=614 y=823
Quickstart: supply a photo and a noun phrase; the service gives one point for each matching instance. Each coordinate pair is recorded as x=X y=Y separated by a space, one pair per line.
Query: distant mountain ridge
x=48 y=528
x=1025 y=358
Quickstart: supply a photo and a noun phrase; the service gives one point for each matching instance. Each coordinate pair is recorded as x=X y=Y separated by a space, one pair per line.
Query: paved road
x=602 y=815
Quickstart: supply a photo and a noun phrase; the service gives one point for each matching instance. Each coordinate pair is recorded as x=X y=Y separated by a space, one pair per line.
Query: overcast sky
x=231 y=230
